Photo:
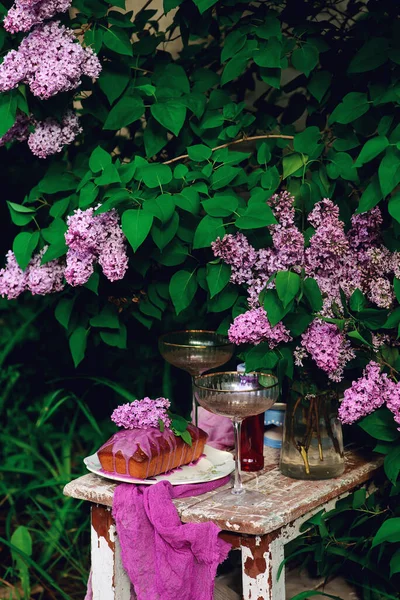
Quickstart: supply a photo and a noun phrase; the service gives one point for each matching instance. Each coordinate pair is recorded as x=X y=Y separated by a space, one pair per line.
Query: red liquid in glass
x=252 y=444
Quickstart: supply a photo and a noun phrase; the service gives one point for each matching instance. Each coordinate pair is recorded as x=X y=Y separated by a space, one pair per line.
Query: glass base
x=238 y=492
x=297 y=471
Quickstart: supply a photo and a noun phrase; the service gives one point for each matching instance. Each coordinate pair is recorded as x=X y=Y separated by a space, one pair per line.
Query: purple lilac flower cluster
x=328 y=347
x=24 y=15
x=50 y=60
x=370 y=392
x=48 y=137
x=18 y=132
x=253 y=327
x=337 y=260
x=142 y=413
x=253 y=267
x=94 y=238
x=37 y=278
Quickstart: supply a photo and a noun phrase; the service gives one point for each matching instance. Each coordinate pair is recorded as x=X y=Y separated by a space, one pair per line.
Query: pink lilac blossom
x=365 y=394
x=380 y=292
x=236 y=251
x=94 y=238
x=282 y=205
x=23 y=16
x=18 y=132
x=142 y=413
x=328 y=347
x=393 y=401
x=47 y=278
x=37 y=278
x=50 y=136
x=50 y=60
x=253 y=327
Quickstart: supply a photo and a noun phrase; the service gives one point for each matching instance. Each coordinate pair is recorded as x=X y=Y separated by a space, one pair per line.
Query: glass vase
x=312 y=445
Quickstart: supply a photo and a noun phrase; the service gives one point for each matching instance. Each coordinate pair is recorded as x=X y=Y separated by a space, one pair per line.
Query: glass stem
x=238 y=485
x=195 y=406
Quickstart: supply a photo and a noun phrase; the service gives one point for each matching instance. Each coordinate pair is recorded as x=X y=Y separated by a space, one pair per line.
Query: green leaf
x=269 y=54
x=293 y=163
x=118 y=40
x=170 y=4
x=204 y=5
x=371 y=149
x=88 y=194
x=162 y=234
x=207 y=231
x=77 y=344
x=371 y=196
x=233 y=43
x=261 y=357
x=394 y=206
x=188 y=200
x=199 y=152
x=136 y=225
x=182 y=288
x=174 y=254
x=256 y=215
x=313 y=294
x=57 y=180
x=319 y=84
x=108 y=176
x=389 y=171
x=373 y=54
x=353 y=106
x=274 y=307
x=20 y=214
x=162 y=207
x=392 y=464
x=113 y=81
x=287 y=286
x=341 y=165
x=21 y=539
x=308 y=141
x=8 y=109
x=107 y=317
x=99 y=160
x=224 y=300
x=357 y=301
x=173 y=76
x=217 y=277
x=396 y=286
x=223 y=176
x=235 y=67
x=297 y=322
x=155 y=175
x=395 y=563
x=305 y=58
x=23 y=247
x=170 y=114
x=380 y=425
x=63 y=311
x=155 y=137
x=187 y=438
x=54 y=251
x=126 y=111
x=220 y=206
x=117 y=338
x=389 y=531
x=270 y=28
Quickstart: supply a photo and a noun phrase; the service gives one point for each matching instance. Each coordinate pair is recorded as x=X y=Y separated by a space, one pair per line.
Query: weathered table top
x=281 y=500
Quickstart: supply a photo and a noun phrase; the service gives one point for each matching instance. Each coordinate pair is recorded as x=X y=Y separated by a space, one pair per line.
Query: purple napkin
x=219 y=429
x=164 y=558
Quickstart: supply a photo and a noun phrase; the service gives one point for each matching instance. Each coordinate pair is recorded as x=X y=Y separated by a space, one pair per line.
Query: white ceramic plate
x=214 y=465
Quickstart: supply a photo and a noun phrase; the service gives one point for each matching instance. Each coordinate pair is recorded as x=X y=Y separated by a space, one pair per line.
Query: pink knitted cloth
x=164 y=558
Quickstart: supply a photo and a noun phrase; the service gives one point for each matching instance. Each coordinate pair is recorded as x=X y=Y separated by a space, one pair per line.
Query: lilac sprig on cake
x=142 y=413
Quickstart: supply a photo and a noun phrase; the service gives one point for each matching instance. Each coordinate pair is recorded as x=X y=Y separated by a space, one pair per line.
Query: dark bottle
x=252 y=443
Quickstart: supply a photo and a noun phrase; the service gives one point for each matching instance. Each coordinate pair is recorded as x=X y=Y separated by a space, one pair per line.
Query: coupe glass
x=236 y=396
x=195 y=351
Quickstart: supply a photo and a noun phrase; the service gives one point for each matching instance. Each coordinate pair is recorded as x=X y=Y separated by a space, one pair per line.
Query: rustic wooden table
x=260 y=529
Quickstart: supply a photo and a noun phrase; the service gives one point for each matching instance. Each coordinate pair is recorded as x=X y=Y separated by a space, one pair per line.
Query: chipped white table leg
x=109 y=579
x=261 y=557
